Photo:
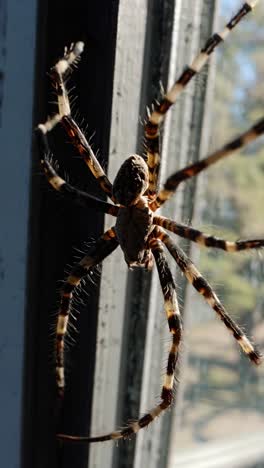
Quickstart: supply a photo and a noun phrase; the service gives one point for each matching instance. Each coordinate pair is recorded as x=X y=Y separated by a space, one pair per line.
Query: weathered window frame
x=115 y=82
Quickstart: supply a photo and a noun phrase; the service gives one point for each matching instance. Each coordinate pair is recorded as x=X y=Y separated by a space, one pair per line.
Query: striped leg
x=203 y=239
x=58 y=75
x=104 y=246
x=204 y=288
x=182 y=175
x=174 y=322
x=81 y=144
x=72 y=194
x=156 y=117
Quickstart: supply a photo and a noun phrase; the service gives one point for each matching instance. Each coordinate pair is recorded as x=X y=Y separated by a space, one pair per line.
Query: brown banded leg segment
x=74 y=132
x=68 y=190
x=72 y=194
x=182 y=175
x=173 y=316
x=81 y=144
x=204 y=288
x=103 y=247
x=174 y=321
x=58 y=74
x=156 y=117
x=152 y=143
x=204 y=239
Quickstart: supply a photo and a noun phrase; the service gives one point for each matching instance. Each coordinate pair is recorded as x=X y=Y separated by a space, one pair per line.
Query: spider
x=141 y=234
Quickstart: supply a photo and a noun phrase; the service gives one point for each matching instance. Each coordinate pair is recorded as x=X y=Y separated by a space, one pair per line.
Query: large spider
x=138 y=230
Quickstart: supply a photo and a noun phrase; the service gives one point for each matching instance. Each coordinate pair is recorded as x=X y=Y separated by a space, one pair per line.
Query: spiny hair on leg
x=70 y=340
x=86 y=285
x=53 y=162
x=71 y=57
x=206 y=290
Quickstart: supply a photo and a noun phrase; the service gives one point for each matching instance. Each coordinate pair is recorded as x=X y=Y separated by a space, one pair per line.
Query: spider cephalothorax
x=140 y=233
x=131 y=181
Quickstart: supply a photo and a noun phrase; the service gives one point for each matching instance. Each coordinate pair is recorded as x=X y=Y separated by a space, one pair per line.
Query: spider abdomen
x=133 y=226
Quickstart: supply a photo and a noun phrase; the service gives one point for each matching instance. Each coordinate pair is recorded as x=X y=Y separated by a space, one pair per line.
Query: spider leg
x=156 y=117
x=73 y=194
x=80 y=142
x=204 y=239
x=103 y=247
x=175 y=326
x=192 y=170
x=205 y=289
x=58 y=75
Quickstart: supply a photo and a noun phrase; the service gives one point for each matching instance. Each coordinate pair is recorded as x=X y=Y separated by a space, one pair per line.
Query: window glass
x=221 y=392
